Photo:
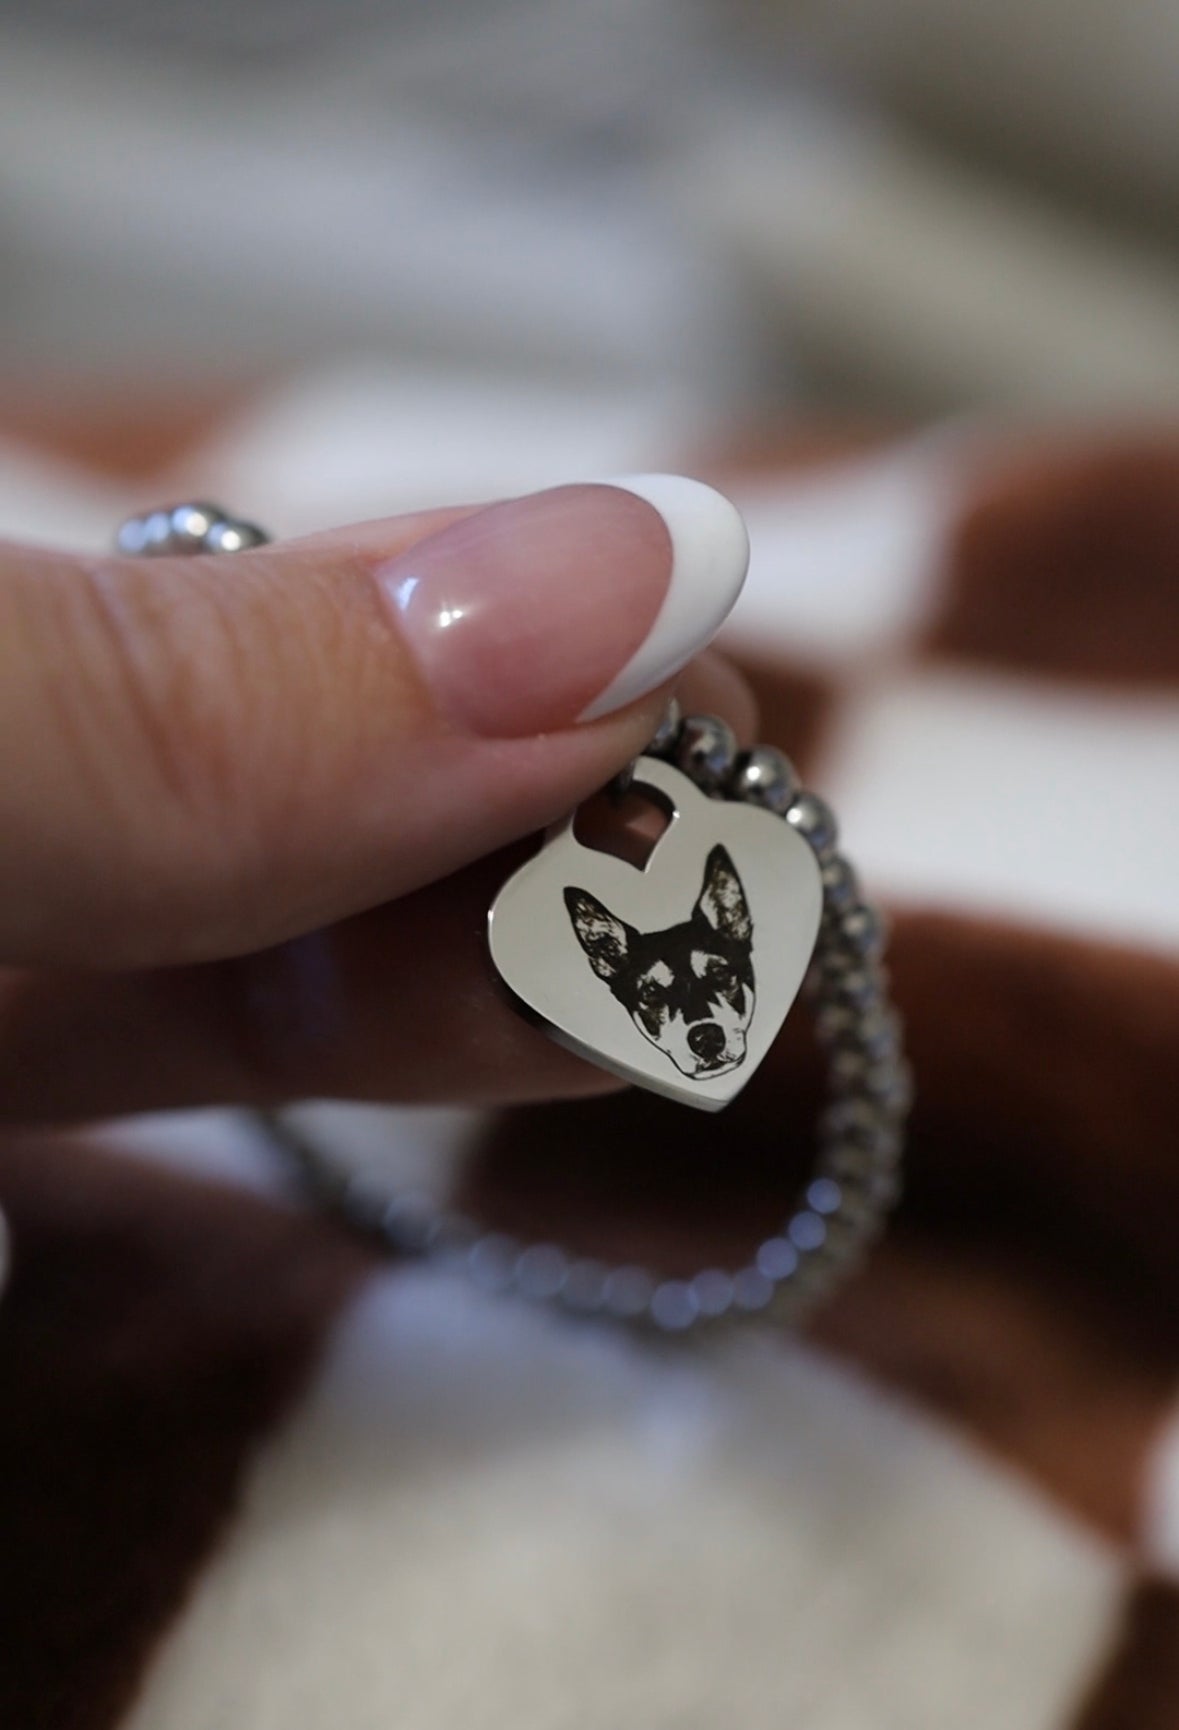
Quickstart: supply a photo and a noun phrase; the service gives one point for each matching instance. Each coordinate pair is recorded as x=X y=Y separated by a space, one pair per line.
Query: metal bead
x=807 y=1231
x=857 y=1120
x=846 y=1152
x=824 y=1196
x=836 y=1024
x=843 y=1239
x=541 y=1270
x=628 y=1292
x=871 y=1037
x=879 y=1035
x=863 y=931
x=674 y=1306
x=875 y=1033
x=764 y=777
x=847 y=1068
x=667 y=732
x=848 y=1120
x=860 y=1216
x=191 y=524
x=891 y=1086
x=833 y=960
x=157 y=533
x=777 y=1259
x=180 y=528
x=146 y=536
x=713 y=1292
x=814 y=819
x=883 y=1142
x=129 y=538
x=841 y=890
x=228 y=537
x=492 y=1260
x=861 y=987
x=706 y=750
x=848 y=1166
x=876 y=1189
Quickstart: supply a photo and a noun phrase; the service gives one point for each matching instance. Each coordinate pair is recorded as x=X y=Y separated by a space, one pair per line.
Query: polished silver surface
x=765 y=777
x=705 y=749
x=667 y=731
x=233 y=538
x=841 y=889
x=676 y=975
x=193 y=527
x=844 y=1204
x=813 y=818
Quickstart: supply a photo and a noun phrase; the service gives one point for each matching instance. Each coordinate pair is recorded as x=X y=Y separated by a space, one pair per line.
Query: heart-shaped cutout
x=677 y=976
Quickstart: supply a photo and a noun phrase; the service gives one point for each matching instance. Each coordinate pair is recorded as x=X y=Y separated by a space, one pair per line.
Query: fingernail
x=568 y=604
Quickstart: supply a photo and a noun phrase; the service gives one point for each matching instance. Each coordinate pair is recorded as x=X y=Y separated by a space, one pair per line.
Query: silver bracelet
x=675 y=975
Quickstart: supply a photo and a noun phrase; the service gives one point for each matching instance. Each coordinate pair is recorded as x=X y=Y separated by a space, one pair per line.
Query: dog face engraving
x=688 y=989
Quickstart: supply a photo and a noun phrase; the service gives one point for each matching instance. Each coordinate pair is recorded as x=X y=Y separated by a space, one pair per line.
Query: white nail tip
x=710 y=556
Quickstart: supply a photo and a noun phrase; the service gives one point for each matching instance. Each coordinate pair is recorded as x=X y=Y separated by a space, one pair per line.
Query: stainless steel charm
x=675 y=975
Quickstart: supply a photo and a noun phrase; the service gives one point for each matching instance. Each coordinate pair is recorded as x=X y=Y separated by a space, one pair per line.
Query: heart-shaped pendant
x=676 y=976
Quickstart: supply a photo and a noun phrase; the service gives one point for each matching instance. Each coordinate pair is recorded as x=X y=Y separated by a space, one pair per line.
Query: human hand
x=251 y=807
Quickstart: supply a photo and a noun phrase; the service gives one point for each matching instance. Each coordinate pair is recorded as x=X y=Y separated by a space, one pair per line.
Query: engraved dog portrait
x=688 y=989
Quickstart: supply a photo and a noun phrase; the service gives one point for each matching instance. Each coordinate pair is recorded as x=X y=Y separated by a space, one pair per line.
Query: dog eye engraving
x=689 y=989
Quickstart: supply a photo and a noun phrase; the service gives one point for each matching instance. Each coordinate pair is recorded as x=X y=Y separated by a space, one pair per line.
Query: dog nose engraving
x=707 y=1040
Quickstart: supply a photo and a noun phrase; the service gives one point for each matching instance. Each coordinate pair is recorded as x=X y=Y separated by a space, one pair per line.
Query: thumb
x=203 y=755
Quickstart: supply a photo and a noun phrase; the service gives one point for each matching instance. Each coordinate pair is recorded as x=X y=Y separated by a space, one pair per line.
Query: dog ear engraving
x=722 y=902
x=605 y=939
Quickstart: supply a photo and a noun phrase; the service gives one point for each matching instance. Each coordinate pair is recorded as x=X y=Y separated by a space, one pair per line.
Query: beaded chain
x=855 y=1180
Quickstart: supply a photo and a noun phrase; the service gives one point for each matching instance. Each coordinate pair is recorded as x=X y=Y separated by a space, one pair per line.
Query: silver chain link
x=855 y=1181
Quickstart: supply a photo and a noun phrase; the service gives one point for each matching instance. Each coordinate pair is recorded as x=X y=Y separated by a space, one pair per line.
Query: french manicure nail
x=569 y=604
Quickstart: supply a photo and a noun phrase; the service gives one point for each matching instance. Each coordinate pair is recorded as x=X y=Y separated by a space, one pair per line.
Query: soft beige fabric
x=485 y=1518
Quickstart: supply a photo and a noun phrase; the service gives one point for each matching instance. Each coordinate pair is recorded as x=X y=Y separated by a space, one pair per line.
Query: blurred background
x=682 y=213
